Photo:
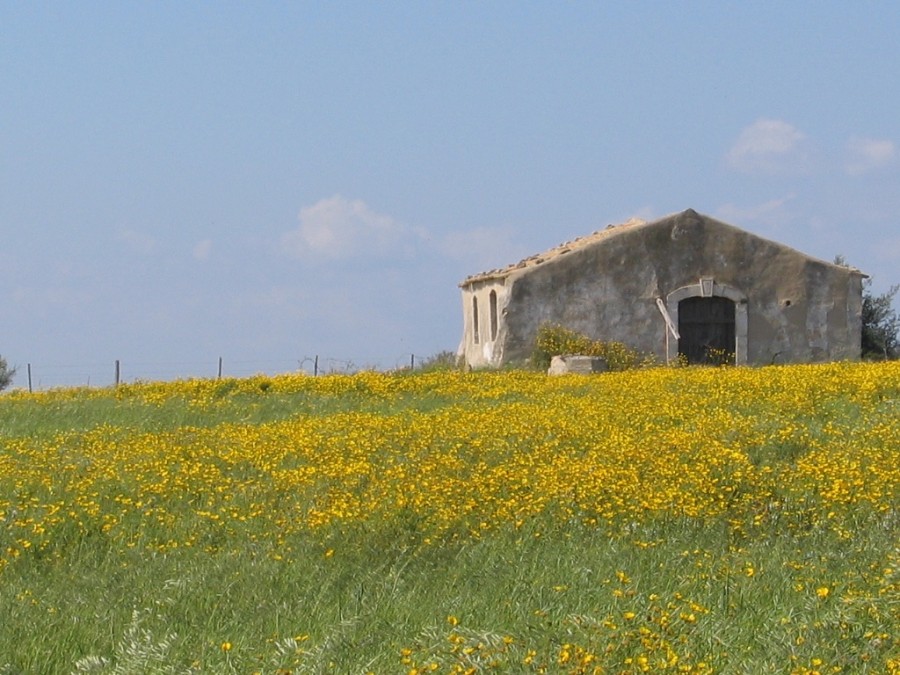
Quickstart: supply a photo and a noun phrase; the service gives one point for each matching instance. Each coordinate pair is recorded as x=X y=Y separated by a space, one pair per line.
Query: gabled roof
x=588 y=240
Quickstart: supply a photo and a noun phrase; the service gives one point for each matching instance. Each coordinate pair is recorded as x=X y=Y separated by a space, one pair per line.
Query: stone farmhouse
x=685 y=285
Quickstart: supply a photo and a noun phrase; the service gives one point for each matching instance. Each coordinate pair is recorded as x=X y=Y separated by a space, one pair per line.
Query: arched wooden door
x=706 y=327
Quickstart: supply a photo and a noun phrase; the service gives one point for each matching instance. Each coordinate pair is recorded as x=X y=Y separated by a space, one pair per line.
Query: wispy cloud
x=483 y=247
x=888 y=249
x=340 y=228
x=772 y=214
x=202 y=249
x=866 y=154
x=42 y=299
x=769 y=146
x=137 y=242
x=281 y=300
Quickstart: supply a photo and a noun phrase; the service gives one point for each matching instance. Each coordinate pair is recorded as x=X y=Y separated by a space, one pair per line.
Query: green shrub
x=443 y=360
x=555 y=340
x=6 y=374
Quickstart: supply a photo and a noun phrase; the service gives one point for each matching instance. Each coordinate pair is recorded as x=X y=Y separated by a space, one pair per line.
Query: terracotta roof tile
x=555 y=252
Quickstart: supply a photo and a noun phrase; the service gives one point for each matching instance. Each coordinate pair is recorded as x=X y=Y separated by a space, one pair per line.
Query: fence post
x=316 y=366
x=219 y=376
x=117 y=372
x=29 y=378
x=412 y=361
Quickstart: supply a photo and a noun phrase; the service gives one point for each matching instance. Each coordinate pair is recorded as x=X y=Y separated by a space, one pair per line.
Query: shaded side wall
x=799 y=309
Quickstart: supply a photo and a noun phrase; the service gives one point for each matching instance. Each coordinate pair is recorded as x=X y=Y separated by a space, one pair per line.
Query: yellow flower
x=226 y=646
x=822 y=591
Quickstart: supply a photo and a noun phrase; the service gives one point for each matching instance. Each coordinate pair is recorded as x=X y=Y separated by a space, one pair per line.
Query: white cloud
x=768 y=146
x=337 y=228
x=202 y=249
x=865 y=154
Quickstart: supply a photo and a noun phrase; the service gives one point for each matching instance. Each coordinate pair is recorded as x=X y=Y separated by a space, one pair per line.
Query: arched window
x=493 y=300
x=475 y=319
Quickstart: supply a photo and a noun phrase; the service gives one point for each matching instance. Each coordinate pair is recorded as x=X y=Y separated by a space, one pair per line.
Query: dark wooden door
x=706 y=326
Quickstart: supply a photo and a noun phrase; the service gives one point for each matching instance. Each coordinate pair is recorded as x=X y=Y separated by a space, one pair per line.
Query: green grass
x=542 y=595
x=381 y=593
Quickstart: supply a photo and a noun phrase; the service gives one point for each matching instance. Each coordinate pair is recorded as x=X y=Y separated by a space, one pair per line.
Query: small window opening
x=493 y=300
x=475 y=319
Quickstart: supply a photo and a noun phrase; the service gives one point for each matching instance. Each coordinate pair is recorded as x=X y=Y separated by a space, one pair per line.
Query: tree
x=6 y=374
x=880 y=324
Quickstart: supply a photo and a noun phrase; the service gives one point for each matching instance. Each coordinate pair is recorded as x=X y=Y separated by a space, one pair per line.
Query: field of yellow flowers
x=684 y=520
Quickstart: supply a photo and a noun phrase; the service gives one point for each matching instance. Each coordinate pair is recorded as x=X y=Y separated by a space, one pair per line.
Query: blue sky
x=270 y=182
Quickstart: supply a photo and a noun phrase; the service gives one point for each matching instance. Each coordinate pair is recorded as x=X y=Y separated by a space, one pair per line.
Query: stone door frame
x=707 y=287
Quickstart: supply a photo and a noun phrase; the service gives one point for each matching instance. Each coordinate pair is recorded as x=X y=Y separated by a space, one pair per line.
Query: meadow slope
x=696 y=520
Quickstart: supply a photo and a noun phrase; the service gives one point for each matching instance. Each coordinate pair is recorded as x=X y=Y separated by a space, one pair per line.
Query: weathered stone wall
x=798 y=308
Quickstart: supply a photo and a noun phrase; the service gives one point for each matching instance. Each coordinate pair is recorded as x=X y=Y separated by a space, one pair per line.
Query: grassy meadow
x=683 y=520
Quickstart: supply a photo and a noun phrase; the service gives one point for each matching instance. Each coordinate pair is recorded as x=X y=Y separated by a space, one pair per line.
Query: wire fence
x=39 y=377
